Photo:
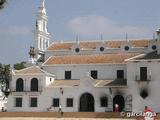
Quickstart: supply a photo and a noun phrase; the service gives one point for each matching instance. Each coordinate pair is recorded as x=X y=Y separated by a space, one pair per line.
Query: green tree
x=2 y=3
x=20 y=65
x=5 y=75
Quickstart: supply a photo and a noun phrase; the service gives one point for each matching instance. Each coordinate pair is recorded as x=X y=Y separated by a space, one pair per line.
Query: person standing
x=60 y=108
x=116 y=108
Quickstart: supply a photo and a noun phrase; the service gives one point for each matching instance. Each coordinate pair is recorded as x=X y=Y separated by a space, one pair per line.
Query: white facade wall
x=43 y=82
x=25 y=101
x=105 y=71
x=27 y=81
x=46 y=93
x=48 y=81
x=45 y=97
x=153 y=69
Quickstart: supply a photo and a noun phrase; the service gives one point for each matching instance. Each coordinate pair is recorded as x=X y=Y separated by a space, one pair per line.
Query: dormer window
x=94 y=74
x=101 y=49
x=154 y=47
x=126 y=48
x=68 y=75
x=77 y=50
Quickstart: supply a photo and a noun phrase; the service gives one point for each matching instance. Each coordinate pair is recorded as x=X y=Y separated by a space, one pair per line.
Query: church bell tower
x=41 y=35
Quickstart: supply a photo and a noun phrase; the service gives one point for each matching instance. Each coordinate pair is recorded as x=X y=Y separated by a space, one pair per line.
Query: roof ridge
x=34 y=67
x=105 y=40
x=96 y=54
x=44 y=71
x=24 y=69
x=67 y=45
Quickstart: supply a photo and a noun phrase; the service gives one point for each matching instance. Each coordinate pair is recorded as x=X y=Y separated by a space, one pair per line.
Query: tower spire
x=41 y=34
x=42 y=8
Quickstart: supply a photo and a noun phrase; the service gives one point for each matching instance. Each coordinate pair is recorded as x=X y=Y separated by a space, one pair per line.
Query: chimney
x=158 y=41
x=158 y=34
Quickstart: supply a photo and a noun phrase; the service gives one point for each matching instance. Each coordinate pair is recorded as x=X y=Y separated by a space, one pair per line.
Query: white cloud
x=15 y=30
x=92 y=25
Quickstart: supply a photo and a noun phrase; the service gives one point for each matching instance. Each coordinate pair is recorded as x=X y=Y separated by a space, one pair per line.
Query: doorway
x=86 y=103
x=118 y=99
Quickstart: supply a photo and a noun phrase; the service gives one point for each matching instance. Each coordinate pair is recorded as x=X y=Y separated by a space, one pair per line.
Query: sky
x=87 y=19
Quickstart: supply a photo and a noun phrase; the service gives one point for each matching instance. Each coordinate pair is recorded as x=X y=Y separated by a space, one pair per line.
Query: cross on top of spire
x=43 y=3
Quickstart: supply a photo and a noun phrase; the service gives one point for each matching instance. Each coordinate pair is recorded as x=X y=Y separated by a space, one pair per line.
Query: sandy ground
x=30 y=118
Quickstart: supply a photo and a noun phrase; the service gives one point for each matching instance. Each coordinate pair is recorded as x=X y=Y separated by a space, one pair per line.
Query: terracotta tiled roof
x=60 y=46
x=152 y=56
x=101 y=83
x=149 y=56
x=140 y=43
x=97 y=83
x=93 y=44
x=117 y=82
x=31 y=70
x=65 y=83
x=89 y=59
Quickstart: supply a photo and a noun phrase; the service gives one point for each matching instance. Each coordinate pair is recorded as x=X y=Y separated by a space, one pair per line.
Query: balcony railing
x=25 y=91
x=143 y=79
x=120 y=79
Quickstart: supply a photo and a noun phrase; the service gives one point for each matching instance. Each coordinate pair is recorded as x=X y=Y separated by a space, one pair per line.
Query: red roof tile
x=89 y=59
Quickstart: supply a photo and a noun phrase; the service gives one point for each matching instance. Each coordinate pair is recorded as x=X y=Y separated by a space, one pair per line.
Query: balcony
x=25 y=92
x=143 y=79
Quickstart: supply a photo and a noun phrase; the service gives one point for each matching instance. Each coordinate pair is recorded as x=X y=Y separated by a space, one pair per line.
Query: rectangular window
x=94 y=74
x=67 y=75
x=18 y=102
x=56 y=102
x=143 y=73
x=104 y=102
x=33 y=102
x=120 y=74
x=69 y=102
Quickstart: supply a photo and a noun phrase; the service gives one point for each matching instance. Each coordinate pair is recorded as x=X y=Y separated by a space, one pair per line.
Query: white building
x=87 y=76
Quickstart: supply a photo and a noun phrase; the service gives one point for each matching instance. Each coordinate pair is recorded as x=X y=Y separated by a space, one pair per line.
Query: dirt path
x=30 y=118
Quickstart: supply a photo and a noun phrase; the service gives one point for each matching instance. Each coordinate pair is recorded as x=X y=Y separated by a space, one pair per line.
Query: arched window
x=34 y=84
x=19 y=85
